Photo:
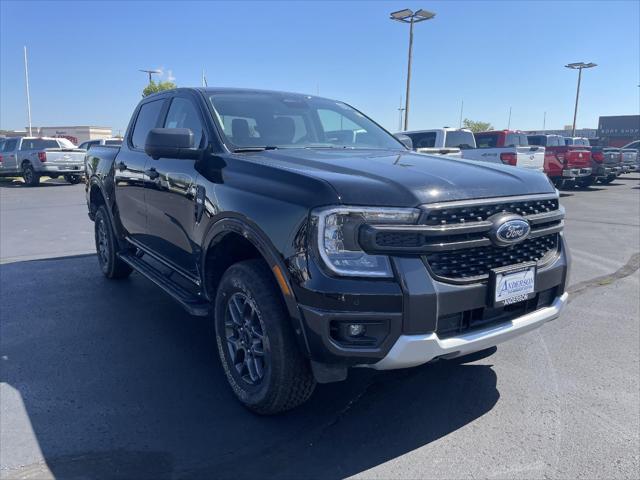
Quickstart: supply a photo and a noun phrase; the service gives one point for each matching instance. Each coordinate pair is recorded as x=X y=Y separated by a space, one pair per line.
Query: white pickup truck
x=507 y=147
x=441 y=141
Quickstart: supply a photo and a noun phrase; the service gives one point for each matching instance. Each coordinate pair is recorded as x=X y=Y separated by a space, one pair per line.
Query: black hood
x=398 y=178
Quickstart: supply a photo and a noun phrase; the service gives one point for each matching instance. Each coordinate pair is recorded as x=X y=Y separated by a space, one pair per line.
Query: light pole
x=400 y=110
x=410 y=17
x=578 y=66
x=151 y=72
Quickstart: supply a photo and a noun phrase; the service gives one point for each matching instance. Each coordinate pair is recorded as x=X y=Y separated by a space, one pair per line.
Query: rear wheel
x=72 y=179
x=256 y=344
x=107 y=247
x=29 y=175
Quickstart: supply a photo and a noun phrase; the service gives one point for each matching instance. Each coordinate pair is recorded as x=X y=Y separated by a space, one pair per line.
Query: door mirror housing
x=405 y=140
x=171 y=143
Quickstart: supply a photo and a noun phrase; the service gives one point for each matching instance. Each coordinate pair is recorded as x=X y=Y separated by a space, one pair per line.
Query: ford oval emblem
x=508 y=229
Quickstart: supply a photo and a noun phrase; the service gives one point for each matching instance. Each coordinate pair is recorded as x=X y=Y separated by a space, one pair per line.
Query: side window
x=3 y=144
x=9 y=145
x=26 y=145
x=423 y=140
x=183 y=114
x=147 y=119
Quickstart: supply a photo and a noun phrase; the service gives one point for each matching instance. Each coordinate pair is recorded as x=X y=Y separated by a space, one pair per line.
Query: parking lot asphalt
x=112 y=379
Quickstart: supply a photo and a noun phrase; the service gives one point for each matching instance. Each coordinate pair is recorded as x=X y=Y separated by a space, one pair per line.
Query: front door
x=129 y=172
x=171 y=190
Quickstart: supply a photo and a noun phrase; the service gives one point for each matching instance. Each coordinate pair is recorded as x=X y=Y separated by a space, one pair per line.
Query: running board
x=192 y=303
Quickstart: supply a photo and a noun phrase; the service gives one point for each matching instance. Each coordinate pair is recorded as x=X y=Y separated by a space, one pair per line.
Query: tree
x=154 y=87
x=476 y=127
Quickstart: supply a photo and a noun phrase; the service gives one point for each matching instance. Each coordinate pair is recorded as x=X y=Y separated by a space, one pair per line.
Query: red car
x=565 y=165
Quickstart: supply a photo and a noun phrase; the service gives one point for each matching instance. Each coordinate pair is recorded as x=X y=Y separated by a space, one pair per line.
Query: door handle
x=152 y=173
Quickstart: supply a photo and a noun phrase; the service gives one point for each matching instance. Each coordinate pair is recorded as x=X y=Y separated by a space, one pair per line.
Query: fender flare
x=252 y=233
x=95 y=182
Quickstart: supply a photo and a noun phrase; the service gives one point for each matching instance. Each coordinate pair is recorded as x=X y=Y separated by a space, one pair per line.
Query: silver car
x=33 y=157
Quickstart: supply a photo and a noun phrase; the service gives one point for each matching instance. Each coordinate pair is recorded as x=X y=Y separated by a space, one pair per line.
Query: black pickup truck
x=315 y=241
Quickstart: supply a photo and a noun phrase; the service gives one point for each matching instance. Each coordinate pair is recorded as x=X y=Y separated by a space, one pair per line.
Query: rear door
x=170 y=192
x=129 y=170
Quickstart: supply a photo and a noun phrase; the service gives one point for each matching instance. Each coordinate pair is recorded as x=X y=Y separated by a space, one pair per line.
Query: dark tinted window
x=113 y=142
x=423 y=139
x=460 y=140
x=9 y=145
x=516 y=140
x=147 y=119
x=183 y=114
x=537 y=140
x=486 y=140
x=38 y=144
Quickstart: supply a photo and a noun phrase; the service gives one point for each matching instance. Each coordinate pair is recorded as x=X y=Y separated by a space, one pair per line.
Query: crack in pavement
x=632 y=265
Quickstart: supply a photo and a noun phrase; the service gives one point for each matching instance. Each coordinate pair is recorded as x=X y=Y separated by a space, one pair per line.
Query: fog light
x=356 y=329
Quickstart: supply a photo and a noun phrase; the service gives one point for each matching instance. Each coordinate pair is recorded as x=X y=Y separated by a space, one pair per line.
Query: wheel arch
x=242 y=230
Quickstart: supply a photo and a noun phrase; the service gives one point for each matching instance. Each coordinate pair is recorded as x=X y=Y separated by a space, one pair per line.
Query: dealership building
x=76 y=133
x=618 y=130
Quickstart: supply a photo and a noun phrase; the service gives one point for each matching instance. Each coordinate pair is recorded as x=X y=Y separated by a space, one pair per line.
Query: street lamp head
x=408 y=16
x=425 y=14
x=580 y=65
x=401 y=14
x=151 y=71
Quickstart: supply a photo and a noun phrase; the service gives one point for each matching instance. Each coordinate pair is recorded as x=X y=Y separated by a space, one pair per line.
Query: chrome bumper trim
x=413 y=350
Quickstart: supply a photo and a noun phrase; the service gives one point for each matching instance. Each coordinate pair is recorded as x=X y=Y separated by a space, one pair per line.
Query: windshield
x=278 y=120
x=460 y=139
x=64 y=143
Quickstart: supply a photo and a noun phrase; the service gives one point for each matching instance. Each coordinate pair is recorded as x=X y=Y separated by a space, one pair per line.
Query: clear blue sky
x=84 y=57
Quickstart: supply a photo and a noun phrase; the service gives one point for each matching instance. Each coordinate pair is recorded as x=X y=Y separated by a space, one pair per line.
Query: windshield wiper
x=330 y=147
x=255 y=149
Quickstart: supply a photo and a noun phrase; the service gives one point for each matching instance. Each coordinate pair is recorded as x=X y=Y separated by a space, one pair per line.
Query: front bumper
x=576 y=172
x=413 y=350
x=412 y=311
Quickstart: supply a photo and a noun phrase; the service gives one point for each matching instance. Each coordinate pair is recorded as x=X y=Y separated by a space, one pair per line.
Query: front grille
x=457 y=239
x=475 y=263
x=485 y=317
x=451 y=215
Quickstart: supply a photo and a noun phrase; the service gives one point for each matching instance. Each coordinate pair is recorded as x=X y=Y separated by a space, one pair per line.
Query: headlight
x=337 y=238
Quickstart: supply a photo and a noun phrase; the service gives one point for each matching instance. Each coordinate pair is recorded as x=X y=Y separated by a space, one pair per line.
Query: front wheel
x=107 y=247
x=72 y=179
x=256 y=343
x=29 y=175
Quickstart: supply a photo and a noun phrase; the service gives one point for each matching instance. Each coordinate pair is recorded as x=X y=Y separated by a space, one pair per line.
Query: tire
x=73 y=179
x=608 y=180
x=584 y=182
x=106 y=247
x=29 y=175
x=271 y=375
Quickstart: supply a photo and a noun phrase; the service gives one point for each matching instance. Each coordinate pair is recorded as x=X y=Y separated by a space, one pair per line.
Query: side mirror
x=405 y=140
x=171 y=143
